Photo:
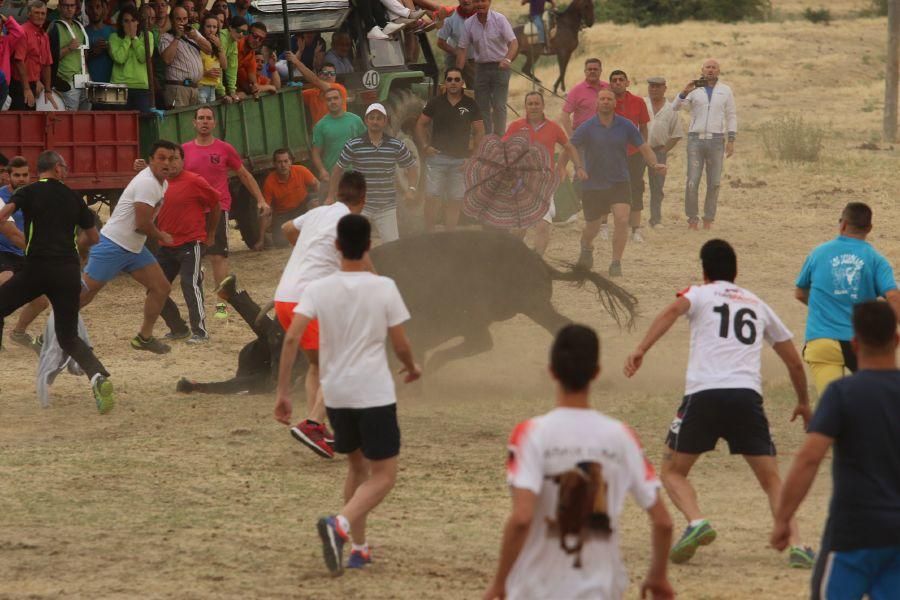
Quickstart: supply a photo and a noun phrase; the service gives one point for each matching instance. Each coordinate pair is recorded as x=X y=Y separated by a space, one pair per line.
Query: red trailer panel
x=99 y=147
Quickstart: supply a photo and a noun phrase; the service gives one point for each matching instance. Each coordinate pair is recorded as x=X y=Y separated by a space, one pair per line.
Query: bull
x=455 y=284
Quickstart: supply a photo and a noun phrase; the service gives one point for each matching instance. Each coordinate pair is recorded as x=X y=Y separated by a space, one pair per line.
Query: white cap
x=376 y=106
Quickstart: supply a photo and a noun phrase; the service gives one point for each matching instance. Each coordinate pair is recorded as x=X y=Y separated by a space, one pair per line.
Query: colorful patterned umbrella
x=509 y=184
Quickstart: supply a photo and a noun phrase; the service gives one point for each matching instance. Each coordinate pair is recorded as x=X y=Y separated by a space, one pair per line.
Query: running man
x=12 y=255
x=860 y=415
x=122 y=246
x=835 y=276
x=358 y=310
x=52 y=263
x=315 y=256
x=723 y=394
x=574 y=443
x=604 y=139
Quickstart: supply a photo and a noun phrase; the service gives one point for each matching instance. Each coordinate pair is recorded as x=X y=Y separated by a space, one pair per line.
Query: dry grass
x=190 y=497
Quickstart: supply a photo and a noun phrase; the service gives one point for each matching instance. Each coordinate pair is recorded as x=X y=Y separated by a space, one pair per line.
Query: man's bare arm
x=802 y=295
x=515 y=532
x=796 y=485
x=791 y=359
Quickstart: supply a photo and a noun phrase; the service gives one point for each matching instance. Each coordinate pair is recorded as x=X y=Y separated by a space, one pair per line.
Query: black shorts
x=597 y=203
x=736 y=415
x=374 y=430
x=636 y=166
x=11 y=262
x=220 y=247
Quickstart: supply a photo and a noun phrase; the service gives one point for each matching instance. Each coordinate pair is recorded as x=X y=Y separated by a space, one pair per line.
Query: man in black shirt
x=455 y=120
x=53 y=214
x=860 y=415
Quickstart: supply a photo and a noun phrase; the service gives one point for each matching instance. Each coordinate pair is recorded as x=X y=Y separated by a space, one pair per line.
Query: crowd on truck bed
x=85 y=55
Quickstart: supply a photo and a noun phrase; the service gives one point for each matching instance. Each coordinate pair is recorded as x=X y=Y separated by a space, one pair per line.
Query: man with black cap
x=665 y=131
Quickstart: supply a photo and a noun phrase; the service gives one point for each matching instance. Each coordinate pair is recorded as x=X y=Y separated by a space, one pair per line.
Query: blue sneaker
x=333 y=540
x=359 y=559
x=692 y=538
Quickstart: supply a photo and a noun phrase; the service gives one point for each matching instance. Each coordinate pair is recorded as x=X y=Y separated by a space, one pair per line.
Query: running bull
x=455 y=284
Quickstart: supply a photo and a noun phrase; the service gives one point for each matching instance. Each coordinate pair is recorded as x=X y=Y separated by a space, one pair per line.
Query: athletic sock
x=343 y=523
x=696 y=522
x=364 y=548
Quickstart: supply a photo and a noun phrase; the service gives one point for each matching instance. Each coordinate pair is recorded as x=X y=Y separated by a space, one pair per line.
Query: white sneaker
x=657 y=226
x=377 y=34
x=637 y=237
x=604 y=231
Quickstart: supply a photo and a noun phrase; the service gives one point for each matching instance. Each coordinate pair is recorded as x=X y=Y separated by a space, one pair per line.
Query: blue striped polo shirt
x=378 y=164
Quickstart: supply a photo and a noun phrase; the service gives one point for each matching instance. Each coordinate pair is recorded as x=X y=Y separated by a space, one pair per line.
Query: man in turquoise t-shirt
x=836 y=276
x=329 y=136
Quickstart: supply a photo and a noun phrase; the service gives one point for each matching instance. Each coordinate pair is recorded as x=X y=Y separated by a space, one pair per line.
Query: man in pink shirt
x=213 y=159
x=581 y=101
x=32 y=61
x=12 y=34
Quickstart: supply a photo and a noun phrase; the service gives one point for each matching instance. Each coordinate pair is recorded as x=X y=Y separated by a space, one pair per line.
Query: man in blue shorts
x=122 y=250
x=604 y=139
x=860 y=415
x=835 y=276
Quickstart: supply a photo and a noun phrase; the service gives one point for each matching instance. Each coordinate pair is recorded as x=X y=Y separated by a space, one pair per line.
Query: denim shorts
x=445 y=177
x=108 y=259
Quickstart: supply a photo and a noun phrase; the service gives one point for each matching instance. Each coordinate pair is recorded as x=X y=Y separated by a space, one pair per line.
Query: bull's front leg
x=474 y=342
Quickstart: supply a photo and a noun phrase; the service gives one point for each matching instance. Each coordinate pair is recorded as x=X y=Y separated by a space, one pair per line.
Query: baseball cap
x=376 y=106
x=657 y=80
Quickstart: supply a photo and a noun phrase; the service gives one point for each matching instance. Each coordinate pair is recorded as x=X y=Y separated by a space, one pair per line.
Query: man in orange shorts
x=314 y=256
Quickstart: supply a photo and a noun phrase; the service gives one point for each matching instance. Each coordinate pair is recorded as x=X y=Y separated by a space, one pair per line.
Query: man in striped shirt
x=377 y=156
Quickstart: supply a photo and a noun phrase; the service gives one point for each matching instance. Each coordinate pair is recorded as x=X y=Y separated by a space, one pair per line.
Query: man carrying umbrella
x=604 y=140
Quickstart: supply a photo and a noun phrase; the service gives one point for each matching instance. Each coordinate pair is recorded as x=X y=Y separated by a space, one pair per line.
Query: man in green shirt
x=68 y=41
x=329 y=136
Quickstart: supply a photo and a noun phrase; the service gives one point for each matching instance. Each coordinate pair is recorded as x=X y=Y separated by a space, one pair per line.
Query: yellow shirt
x=210 y=61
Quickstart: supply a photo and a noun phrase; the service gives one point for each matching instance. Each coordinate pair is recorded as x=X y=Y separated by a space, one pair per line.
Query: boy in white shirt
x=569 y=471
x=357 y=310
x=723 y=392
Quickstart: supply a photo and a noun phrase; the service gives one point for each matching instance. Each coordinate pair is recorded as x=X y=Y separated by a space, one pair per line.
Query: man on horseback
x=536 y=16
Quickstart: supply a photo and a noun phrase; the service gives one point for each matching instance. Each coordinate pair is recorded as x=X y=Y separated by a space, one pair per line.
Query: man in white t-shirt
x=723 y=392
x=357 y=310
x=569 y=472
x=122 y=244
x=315 y=256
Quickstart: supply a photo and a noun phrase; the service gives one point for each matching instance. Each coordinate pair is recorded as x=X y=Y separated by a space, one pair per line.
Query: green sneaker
x=221 y=311
x=802 y=557
x=103 y=393
x=692 y=538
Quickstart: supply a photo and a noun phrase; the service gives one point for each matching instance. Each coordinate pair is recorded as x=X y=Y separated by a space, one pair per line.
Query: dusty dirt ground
x=174 y=496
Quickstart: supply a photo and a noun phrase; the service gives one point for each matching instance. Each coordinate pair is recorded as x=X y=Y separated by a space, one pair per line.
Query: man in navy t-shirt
x=860 y=415
x=604 y=140
x=12 y=257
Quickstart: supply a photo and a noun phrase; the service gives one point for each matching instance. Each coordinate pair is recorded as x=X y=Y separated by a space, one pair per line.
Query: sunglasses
x=242 y=31
x=454 y=79
x=259 y=37
x=328 y=73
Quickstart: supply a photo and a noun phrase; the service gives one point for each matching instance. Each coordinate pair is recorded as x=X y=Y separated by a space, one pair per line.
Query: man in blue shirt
x=860 y=415
x=836 y=276
x=12 y=257
x=603 y=140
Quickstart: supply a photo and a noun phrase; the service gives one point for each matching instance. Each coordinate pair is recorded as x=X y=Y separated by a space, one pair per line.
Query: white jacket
x=710 y=115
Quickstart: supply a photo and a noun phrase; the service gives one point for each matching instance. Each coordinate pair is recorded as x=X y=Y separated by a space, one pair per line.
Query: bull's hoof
x=185 y=386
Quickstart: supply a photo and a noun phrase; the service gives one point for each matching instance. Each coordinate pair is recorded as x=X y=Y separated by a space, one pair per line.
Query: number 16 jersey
x=728 y=325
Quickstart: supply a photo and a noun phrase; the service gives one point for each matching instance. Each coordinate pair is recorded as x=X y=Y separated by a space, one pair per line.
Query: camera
x=700 y=83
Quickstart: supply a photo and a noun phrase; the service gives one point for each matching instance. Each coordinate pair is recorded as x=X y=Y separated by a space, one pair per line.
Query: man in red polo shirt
x=31 y=62
x=548 y=134
x=581 y=101
x=634 y=109
x=190 y=214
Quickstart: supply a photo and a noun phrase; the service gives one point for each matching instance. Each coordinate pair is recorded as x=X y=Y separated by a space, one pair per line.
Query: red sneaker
x=312 y=435
x=693 y=225
x=329 y=437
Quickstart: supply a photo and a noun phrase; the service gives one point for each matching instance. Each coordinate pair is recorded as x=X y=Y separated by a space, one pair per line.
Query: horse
x=569 y=22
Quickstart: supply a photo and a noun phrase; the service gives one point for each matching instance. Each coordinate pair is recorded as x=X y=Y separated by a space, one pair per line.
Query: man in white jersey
x=358 y=310
x=315 y=256
x=723 y=393
x=559 y=462
x=122 y=246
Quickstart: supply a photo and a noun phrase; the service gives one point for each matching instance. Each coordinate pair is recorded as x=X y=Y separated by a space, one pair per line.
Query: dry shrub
x=792 y=140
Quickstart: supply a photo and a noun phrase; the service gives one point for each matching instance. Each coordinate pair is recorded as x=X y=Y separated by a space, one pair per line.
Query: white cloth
x=547 y=446
x=716 y=115
x=53 y=360
x=2 y=204
x=664 y=126
x=144 y=188
x=354 y=311
x=395 y=9
x=314 y=255
x=385 y=223
x=728 y=325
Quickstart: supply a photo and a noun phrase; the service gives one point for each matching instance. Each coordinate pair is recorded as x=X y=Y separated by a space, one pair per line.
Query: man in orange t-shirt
x=246 y=75
x=286 y=190
x=314 y=97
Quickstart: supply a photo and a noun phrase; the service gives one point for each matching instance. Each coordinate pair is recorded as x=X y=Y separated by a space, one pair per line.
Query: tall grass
x=791 y=139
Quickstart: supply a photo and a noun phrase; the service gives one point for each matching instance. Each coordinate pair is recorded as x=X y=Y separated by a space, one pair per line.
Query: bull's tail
x=616 y=300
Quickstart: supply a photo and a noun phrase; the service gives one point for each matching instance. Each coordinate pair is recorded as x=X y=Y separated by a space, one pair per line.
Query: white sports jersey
x=314 y=255
x=728 y=324
x=549 y=445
